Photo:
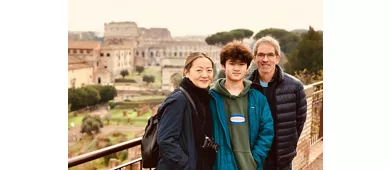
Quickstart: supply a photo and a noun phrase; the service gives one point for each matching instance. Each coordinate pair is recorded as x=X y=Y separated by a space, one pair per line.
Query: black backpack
x=149 y=147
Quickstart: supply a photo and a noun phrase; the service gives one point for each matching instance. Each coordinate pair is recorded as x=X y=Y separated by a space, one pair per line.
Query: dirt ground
x=105 y=131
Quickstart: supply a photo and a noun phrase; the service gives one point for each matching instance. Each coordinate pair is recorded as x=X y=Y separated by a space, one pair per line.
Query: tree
x=69 y=107
x=76 y=97
x=237 y=35
x=308 y=54
x=139 y=69
x=240 y=34
x=91 y=97
x=148 y=78
x=210 y=40
x=220 y=38
x=308 y=78
x=124 y=73
x=91 y=124
x=287 y=40
x=176 y=80
x=107 y=93
x=275 y=32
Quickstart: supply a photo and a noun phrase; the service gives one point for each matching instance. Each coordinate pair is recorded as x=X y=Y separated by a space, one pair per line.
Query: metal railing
x=317 y=112
x=316 y=134
x=78 y=160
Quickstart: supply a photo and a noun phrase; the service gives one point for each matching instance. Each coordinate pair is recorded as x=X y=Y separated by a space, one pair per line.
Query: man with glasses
x=286 y=98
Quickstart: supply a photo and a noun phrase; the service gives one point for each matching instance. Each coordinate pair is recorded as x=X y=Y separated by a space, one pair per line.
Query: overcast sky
x=200 y=17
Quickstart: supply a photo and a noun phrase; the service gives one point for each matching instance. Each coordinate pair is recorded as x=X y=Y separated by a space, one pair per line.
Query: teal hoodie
x=243 y=127
x=236 y=108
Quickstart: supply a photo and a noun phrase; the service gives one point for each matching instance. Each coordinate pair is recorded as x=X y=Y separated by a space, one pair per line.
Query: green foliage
x=247 y=33
x=287 y=40
x=222 y=38
x=176 y=80
x=139 y=69
x=76 y=97
x=90 y=95
x=308 y=54
x=124 y=80
x=299 y=31
x=107 y=93
x=307 y=77
x=112 y=104
x=69 y=107
x=91 y=124
x=135 y=77
x=148 y=78
x=108 y=157
x=76 y=119
x=238 y=35
x=124 y=73
x=121 y=155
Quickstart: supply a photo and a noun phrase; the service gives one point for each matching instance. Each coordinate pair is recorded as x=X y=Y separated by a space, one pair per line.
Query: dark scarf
x=202 y=123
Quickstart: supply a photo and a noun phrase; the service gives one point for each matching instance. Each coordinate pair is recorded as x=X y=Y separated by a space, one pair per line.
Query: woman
x=181 y=131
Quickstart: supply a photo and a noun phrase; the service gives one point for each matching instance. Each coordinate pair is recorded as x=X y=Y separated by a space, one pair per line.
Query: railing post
x=321 y=119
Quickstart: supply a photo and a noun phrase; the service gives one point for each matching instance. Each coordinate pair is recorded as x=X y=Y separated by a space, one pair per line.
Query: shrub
x=107 y=93
x=112 y=104
x=91 y=124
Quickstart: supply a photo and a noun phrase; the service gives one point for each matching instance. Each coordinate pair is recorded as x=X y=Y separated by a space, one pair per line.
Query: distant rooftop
x=83 y=44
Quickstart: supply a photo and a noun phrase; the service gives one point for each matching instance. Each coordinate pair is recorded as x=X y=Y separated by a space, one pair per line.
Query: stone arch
x=176 y=79
x=168 y=76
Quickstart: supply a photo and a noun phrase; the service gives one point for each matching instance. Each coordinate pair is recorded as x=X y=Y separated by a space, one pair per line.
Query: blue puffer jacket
x=261 y=130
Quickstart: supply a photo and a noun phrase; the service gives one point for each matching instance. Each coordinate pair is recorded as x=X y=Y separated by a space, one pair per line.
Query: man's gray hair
x=267 y=40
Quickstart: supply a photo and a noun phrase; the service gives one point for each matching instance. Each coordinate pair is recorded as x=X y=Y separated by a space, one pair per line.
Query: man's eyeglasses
x=269 y=55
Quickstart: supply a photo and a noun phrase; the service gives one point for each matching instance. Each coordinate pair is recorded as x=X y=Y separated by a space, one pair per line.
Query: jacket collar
x=278 y=76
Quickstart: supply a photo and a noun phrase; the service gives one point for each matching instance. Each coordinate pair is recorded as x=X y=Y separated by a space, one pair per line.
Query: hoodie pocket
x=245 y=160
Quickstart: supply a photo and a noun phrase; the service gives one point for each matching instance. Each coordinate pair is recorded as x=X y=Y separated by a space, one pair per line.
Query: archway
x=176 y=80
x=99 y=80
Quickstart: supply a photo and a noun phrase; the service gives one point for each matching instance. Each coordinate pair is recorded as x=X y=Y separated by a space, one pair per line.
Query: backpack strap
x=189 y=98
x=159 y=114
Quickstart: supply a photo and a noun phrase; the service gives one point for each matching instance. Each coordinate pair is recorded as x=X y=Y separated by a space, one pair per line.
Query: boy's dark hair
x=236 y=51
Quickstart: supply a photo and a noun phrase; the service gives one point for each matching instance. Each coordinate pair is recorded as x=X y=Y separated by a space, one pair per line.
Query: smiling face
x=266 y=58
x=235 y=70
x=200 y=72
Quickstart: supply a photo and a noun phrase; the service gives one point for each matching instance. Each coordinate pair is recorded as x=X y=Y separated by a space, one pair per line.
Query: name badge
x=237 y=119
